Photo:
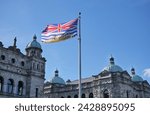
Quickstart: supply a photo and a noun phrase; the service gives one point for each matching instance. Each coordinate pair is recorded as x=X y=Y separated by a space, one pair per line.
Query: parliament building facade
x=23 y=75
x=111 y=82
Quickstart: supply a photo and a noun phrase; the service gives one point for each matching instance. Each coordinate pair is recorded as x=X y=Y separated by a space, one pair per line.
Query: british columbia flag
x=58 y=32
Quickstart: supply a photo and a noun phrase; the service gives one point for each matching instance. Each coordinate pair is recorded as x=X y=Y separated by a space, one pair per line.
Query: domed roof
x=135 y=77
x=57 y=79
x=112 y=67
x=34 y=43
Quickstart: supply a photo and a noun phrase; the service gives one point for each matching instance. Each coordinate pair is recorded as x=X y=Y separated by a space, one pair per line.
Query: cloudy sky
x=117 y=27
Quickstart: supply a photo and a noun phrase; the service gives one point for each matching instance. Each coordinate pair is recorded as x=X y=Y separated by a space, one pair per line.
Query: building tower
x=36 y=72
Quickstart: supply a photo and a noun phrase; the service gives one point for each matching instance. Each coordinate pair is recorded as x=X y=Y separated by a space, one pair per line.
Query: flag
x=58 y=32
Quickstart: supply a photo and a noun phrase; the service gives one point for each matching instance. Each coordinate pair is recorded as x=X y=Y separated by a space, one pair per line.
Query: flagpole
x=79 y=55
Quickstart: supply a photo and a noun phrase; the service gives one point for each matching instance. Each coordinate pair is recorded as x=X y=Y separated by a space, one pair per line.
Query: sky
x=120 y=28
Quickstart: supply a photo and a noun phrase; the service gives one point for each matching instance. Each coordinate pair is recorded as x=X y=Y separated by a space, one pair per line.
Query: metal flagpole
x=79 y=54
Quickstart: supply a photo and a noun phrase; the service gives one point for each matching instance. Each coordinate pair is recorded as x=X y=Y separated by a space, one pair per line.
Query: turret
x=33 y=48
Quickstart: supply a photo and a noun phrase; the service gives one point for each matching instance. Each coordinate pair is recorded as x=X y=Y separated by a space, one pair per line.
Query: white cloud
x=147 y=72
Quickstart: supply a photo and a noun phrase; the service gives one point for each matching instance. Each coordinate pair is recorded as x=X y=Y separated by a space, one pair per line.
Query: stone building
x=111 y=82
x=22 y=75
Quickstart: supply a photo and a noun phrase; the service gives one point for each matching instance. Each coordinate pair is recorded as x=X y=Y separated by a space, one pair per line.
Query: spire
x=15 y=41
x=34 y=37
x=14 y=46
x=56 y=73
x=132 y=71
x=111 y=60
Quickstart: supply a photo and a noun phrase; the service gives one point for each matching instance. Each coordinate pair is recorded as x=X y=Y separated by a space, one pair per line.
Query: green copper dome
x=57 y=79
x=135 y=78
x=34 y=44
x=112 y=67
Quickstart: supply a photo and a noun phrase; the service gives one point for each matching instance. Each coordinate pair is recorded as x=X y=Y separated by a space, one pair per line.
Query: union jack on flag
x=59 y=32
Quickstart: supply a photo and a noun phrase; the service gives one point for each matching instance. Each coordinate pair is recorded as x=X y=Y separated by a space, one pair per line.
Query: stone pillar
x=24 y=90
x=5 y=86
x=15 y=89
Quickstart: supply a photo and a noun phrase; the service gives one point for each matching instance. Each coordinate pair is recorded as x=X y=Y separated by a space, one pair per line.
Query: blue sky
x=117 y=27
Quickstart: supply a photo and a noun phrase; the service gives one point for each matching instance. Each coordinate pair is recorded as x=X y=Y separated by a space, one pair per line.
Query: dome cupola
x=135 y=78
x=34 y=43
x=132 y=71
x=56 y=79
x=33 y=48
x=112 y=67
x=56 y=73
x=111 y=60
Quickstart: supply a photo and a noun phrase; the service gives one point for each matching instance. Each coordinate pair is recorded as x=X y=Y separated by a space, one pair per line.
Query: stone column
x=15 y=89
x=5 y=86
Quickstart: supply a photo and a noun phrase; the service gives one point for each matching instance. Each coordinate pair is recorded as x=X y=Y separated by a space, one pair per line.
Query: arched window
x=20 y=88
x=2 y=57
x=10 y=84
x=38 y=67
x=13 y=60
x=91 y=95
x=136 y=96
x=69 y=96
x=83 y=95
x=22 y=63
x=76 y=96
x=41 y=67
x=33 y=66
x=32 y=53
x=106 y=93
x=1 y=84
